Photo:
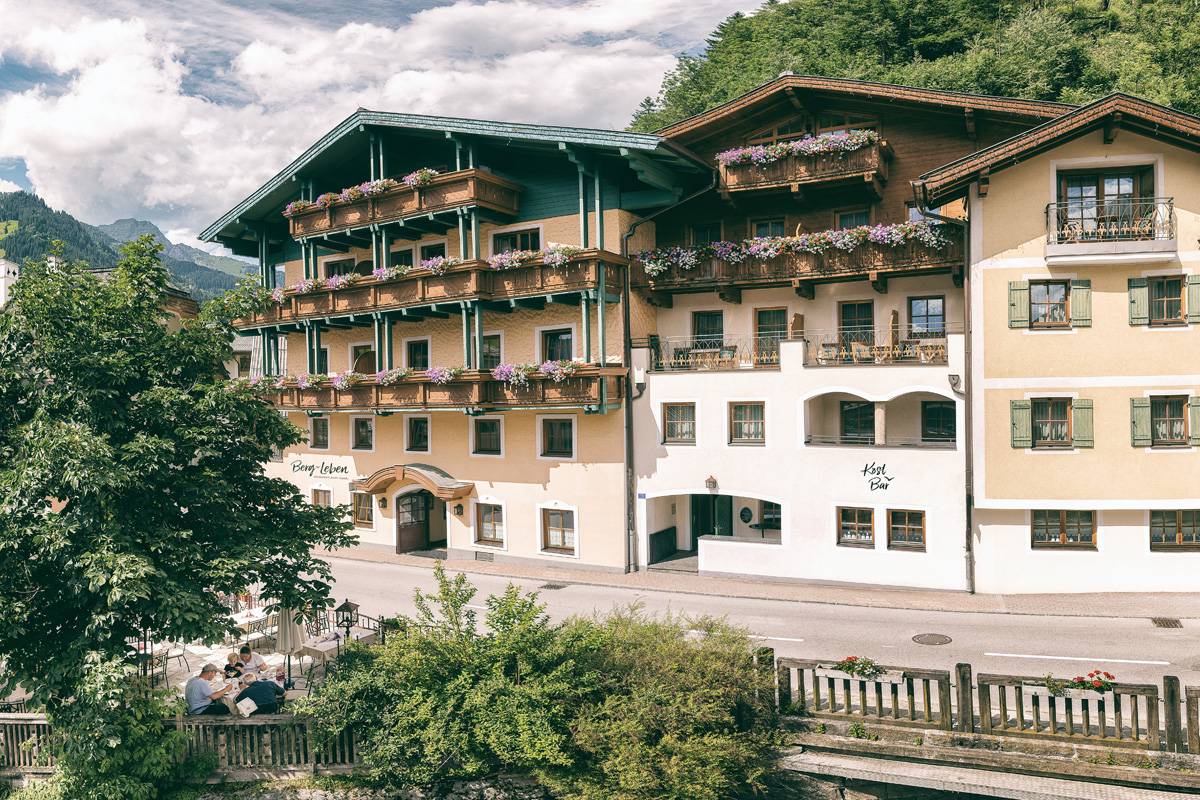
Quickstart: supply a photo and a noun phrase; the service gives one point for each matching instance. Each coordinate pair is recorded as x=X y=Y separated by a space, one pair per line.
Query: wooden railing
x=25 y=744
x=901 y=696
x=275 y=742
x=474 y=280
x=471 y=389
x=1126 y=715
x=866 y=164
x=476 y=187
x=869 y=260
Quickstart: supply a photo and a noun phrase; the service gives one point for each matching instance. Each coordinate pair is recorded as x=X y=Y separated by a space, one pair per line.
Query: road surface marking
x=780 y=639
x=1077 y=658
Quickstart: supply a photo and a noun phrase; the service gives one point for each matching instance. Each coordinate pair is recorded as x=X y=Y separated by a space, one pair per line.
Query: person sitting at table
x=250 y=662
x=233 y=666
x=266 y=694
x=200 y=695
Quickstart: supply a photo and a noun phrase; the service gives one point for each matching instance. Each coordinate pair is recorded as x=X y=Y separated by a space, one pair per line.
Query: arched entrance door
x=412 y=521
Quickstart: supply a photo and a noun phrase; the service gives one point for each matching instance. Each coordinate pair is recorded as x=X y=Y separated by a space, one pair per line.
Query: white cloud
x=8 y=186
x=129 y=134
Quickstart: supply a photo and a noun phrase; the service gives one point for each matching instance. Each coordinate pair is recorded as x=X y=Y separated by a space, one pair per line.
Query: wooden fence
x=900 y=696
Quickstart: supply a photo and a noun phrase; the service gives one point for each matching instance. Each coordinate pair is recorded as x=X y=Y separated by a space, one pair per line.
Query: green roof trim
x=650 y=145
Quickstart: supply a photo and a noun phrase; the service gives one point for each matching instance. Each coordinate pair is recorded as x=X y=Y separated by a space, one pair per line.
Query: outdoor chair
x=860 y=353
x=827 y=353
x=177 y=652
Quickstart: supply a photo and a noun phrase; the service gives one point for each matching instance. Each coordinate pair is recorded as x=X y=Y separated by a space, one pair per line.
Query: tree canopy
x=1066 y=50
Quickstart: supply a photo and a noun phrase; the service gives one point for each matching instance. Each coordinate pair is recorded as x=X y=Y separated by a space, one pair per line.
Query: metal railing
x=674 y=353
x=835 y=440
x=1120 y=220
x=899 y=344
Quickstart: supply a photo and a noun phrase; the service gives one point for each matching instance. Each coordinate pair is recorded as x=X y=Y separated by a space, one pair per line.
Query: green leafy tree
x=132 y=492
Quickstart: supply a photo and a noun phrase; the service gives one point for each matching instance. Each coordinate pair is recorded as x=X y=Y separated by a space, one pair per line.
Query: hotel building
x=832 y=330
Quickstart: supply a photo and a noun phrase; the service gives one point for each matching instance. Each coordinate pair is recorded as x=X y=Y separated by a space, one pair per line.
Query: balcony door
x=1109 y=205
x=856 y=328
x=770 y=327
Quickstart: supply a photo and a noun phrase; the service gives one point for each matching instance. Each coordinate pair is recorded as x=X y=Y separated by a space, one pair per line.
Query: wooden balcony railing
x=453 y=189
x=474 y=280
x=868 y=165
x=868 y=260
x=469 y=390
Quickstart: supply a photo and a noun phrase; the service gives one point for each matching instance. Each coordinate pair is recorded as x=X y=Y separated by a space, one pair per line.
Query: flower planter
x=360 y=395
x=887 y=676
x=351 y=298
x=314 y=303
x=1040 y=690
x=450 y=285
x=400 y=394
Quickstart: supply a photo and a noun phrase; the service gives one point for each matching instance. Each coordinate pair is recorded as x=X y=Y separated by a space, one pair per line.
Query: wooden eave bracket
x=805 y=289
x=969 y=121
x=983 y=182
x=730 y=294
x=1111 y=124
x=956 y=275
x=878 y=281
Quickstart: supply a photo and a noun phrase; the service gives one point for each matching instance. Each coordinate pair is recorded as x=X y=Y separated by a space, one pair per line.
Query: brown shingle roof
x=1120 y=110
x=1006 y=106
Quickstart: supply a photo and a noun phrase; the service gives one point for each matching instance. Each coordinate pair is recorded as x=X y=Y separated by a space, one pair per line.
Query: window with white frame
x=362 y=433
x=318 y=437
x=558 y=530
x=489 y=523
x=557 y=437
x=362 y=509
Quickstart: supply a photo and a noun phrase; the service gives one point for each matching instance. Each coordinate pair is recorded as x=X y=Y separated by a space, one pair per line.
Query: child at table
x=233 y=666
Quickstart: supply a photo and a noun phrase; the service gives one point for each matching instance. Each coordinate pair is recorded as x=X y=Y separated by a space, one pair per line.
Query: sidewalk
x=1182 y=605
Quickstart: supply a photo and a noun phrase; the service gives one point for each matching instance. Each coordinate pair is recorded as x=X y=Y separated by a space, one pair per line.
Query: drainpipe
x=627 y=354
x=968 y=413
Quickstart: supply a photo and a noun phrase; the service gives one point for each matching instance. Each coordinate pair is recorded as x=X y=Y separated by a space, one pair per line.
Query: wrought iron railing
x=899 y=344
x=1119 y=220
x=868 y=440
x=674 y=353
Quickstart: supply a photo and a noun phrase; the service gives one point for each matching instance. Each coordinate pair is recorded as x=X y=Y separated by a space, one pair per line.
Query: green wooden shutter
x=1193 y=298
x=1194 y=421
x=1021 y=412
x=1139 y=302
x=1082 y=426
x=1081 y=304
x=1018 y=304
x=1139 y=421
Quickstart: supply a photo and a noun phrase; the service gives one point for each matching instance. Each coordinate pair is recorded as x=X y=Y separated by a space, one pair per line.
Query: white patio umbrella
x=290 y=637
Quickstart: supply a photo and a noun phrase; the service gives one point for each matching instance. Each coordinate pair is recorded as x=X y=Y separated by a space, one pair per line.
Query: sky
x=175 y=110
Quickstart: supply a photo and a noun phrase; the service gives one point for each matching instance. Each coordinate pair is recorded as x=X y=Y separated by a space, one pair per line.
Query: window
x=857 y=422
x=558 y=345
x=1049 y=304
x=319 y=433
x=340 y=267
x=856 y=527
x=708 y=330
x=938 y=423
x=771 y=515
x=362 y=358
x=852 y=218
x=679 y=423
x=1064 y=529
x=364 y=512
x=1168 y=421
x=927 y=317
x=1166 y=300
x=558 y=437
x=416 y=354
x=796 y=128
x=433 y=250
x=489 y=523
x=841 y=120
x=558 y=530
x=416 y=434
x=323 y=360
x=906 y=530
x=322 y=497
x=280 y=275
x=517 y=240
x=489 y=356
x=488 y=439
x=747 y=423
x=1174 y=530
x=1106 y=206
x=243 y=365
x=760 y=228
x=363 y=437
x=401 y=258
x=1052 y=422
x=706 y=233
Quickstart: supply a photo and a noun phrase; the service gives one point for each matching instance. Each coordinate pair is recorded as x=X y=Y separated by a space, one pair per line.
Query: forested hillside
x=1069 y=50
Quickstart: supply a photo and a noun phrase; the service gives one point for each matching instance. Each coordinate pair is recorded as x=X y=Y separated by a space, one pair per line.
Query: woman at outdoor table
x=250 y=662
x=265 y=694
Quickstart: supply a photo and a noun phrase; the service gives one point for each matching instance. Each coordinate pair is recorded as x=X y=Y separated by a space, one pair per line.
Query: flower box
x=891 y=676
x=400 y=394
x=1041 y=690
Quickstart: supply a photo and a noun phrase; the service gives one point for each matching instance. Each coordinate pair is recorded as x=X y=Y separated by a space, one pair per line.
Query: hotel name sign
x=321 y=469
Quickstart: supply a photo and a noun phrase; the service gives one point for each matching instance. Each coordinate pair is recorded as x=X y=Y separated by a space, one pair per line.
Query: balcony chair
x=861 y=353
x=827 y=353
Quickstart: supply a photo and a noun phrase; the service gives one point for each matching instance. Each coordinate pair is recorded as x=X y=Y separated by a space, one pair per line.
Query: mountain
x=125 y=229
x=28 y=226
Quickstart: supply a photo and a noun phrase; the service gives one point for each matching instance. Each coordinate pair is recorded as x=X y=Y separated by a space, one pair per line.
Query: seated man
x=201 y=696
x=250 y=662
x=265 y=694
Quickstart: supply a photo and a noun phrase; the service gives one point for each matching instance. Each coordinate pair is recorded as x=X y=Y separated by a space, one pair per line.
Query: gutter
x=631 y=560
x=919 y=191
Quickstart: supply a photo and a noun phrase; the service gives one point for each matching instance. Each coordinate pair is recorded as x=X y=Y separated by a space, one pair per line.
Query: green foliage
x=859 y=731
x=1068 y=50
x=624 y=707
x=131 y=493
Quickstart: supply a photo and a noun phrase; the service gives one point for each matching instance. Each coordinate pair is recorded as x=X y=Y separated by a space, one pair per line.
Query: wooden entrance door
x=412 y=521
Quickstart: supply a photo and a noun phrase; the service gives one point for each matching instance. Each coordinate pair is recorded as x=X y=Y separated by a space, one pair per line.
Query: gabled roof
x=1112 y=112
x=867 y=90
x=278 y=189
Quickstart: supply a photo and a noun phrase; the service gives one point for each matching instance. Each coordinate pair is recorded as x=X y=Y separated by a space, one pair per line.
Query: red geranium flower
x=1097 y=684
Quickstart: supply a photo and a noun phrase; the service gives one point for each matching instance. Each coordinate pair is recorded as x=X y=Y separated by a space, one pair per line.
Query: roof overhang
x=1112 y=113
x=437 y=482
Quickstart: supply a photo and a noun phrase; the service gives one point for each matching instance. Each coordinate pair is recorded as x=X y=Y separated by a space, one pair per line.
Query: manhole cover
x=552 y=586
x=1166 y=622
x=932 y=638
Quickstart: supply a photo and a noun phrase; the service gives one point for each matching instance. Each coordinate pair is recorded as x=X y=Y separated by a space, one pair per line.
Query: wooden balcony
x=474 y=187
x=474 y=280
x=867 y=165
x=471 y=390
x=869 y=261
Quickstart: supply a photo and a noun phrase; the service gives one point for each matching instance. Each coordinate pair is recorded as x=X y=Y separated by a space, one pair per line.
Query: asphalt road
x=1016 y=644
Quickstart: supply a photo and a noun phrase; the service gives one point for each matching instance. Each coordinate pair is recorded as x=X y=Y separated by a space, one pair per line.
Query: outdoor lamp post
x=345 y=616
